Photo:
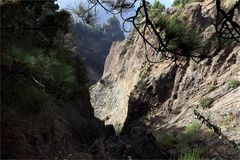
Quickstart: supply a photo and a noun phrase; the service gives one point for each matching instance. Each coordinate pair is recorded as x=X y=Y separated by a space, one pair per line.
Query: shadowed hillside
x=94 y=43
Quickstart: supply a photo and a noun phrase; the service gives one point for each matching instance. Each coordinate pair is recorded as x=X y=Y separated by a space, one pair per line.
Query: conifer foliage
x=36 y=39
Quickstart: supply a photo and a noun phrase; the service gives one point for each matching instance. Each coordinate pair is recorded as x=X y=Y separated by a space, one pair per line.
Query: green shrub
x=52 y=67
x=156 y=8
x=206 y=102
x=193 y=128
x=178 y=35
x=190 y=134
x=233 y=83
x=191 y=154
x=164 y=139
x=183 y=2
x=211 y=88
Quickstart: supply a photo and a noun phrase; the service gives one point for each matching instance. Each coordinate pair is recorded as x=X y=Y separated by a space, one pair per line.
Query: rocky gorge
x=139 y=97
x=145 y=106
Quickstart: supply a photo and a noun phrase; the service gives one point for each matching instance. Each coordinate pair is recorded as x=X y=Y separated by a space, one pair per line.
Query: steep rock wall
x=121 y=73
x=133 y=92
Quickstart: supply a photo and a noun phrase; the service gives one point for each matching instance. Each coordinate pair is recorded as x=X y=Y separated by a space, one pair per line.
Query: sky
x=102 y=15
x=65 y=3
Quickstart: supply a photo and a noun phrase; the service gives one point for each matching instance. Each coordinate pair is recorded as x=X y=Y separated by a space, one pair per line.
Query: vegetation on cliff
x=226 y=27
x=160 y=97
x=45 y=104
x=36 y=38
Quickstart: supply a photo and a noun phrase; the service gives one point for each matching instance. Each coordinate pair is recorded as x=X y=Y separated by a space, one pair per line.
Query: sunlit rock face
x=133 y=93
x=110 y=95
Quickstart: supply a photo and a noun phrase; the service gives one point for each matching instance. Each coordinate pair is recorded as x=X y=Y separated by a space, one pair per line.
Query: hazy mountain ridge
x=94 y=44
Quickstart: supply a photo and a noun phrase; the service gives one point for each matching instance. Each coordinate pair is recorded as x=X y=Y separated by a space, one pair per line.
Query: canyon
x=161 y=97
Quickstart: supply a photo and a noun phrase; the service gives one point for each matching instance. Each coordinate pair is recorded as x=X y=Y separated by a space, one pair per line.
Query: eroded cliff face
x=110 y=95
x=162 y=96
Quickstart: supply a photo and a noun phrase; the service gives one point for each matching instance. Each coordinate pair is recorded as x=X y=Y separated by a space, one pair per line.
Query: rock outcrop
x=161 y=96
